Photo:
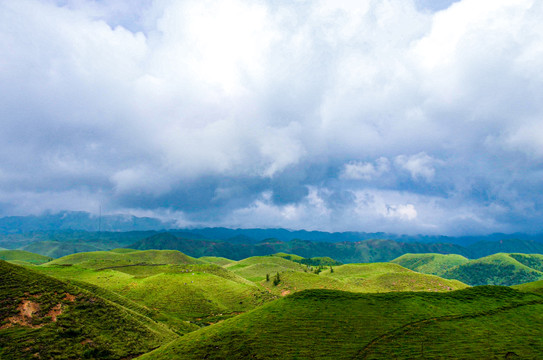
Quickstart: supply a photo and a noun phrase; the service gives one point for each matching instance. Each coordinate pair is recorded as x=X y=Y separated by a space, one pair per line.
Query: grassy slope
x=534 y=286
x=216 y=260
x=379 y=277
x=56 y=249
x=106 y=259
x=375 y=277
x=200 y=293
x=498 y=269
x=435 y=264
x=85 y=326
x=293 y=257
x=324 y=324
x=23 y=256
x=255 y=268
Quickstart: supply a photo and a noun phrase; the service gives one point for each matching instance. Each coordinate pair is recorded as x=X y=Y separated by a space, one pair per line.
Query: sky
x=403 y=116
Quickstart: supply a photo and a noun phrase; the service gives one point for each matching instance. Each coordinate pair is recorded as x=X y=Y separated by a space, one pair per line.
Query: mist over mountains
x=66 y=233
x=84 y=221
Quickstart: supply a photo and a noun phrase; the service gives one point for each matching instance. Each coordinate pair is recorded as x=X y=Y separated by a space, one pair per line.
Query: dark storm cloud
x=406 y=116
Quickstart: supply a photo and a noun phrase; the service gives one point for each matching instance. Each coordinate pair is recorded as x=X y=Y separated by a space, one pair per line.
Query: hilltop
x=499 y=269
x=108 y=259
x=23 y=256
x=435 y=264
x=184 y=291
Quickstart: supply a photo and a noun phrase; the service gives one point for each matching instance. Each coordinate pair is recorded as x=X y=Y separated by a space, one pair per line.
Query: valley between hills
x=269 y=299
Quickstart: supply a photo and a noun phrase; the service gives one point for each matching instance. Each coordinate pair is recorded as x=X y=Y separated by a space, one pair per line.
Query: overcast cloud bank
x=362 y=115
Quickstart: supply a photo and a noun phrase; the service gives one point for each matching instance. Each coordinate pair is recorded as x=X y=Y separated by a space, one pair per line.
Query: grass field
x=22 y=256
x=326 y=324
x=255 y=268
x=199 y=293
x=42 y=317
x=56 y=249
x=382 y=277
x=107 y=259
x=216 y=260
x=499 y=269
x=434 y=264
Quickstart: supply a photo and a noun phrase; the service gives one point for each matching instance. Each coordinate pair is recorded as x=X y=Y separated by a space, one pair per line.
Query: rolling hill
x=180 y=288
x=107 y=259
x=364 y=278
x=22 y=256
x=499 y=269
x=435 y=264
x=475 y=323
x=56 y=249
x=384 y=277
x=257 y=267
x=42 y=317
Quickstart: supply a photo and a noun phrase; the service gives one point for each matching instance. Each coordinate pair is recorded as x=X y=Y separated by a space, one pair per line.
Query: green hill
x=475 y=323
x=291 y=257
x=199 y=293
x=435 y=264
x=56 y=249
x=367 y=278
x=383 y=277
x=22 y=256
x=534 y=286
x=257 y=267
x=294 y=281
x=42 y=317
x=216 y=260
x=499 y=269
x=106 y=259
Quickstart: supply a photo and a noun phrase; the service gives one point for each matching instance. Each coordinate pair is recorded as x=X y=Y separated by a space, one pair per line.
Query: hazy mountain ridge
x=50 y=225
x=374 y=250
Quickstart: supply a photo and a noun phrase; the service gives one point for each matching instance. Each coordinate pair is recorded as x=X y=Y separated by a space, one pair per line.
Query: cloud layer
x=400 y=116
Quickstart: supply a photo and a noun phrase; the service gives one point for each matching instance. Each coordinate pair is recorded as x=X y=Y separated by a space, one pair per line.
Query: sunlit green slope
x=499 y=269
x=186 y=290
x=23 y=256
x=257 y=267
x=435 y=264
x=380 y=277
x=475 y=323
x=107 y=259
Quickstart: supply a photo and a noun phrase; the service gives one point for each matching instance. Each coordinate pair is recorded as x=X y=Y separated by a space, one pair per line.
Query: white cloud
x=119 y=98
x=403 y=212
x=357 y=170
x=419 y=165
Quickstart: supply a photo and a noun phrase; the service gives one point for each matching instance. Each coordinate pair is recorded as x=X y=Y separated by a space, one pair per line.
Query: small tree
x=268 y=277
x=331 y=270
x=276 y=279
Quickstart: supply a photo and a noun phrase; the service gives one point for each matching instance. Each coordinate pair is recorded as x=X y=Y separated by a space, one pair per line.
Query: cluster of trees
x=276 y=279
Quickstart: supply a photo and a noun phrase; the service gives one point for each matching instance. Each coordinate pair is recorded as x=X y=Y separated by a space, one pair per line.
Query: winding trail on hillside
x=366 y=351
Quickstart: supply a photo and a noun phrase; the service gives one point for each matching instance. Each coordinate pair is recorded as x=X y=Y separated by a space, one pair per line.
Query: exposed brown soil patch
x=285 y=292
x=28 y=311
x=55 y=311
x=87 y=341
x=69 y=297
x=35 y=296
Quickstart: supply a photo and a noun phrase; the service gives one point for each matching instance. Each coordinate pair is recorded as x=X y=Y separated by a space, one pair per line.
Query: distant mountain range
x=86 y=222
x=375 y=250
